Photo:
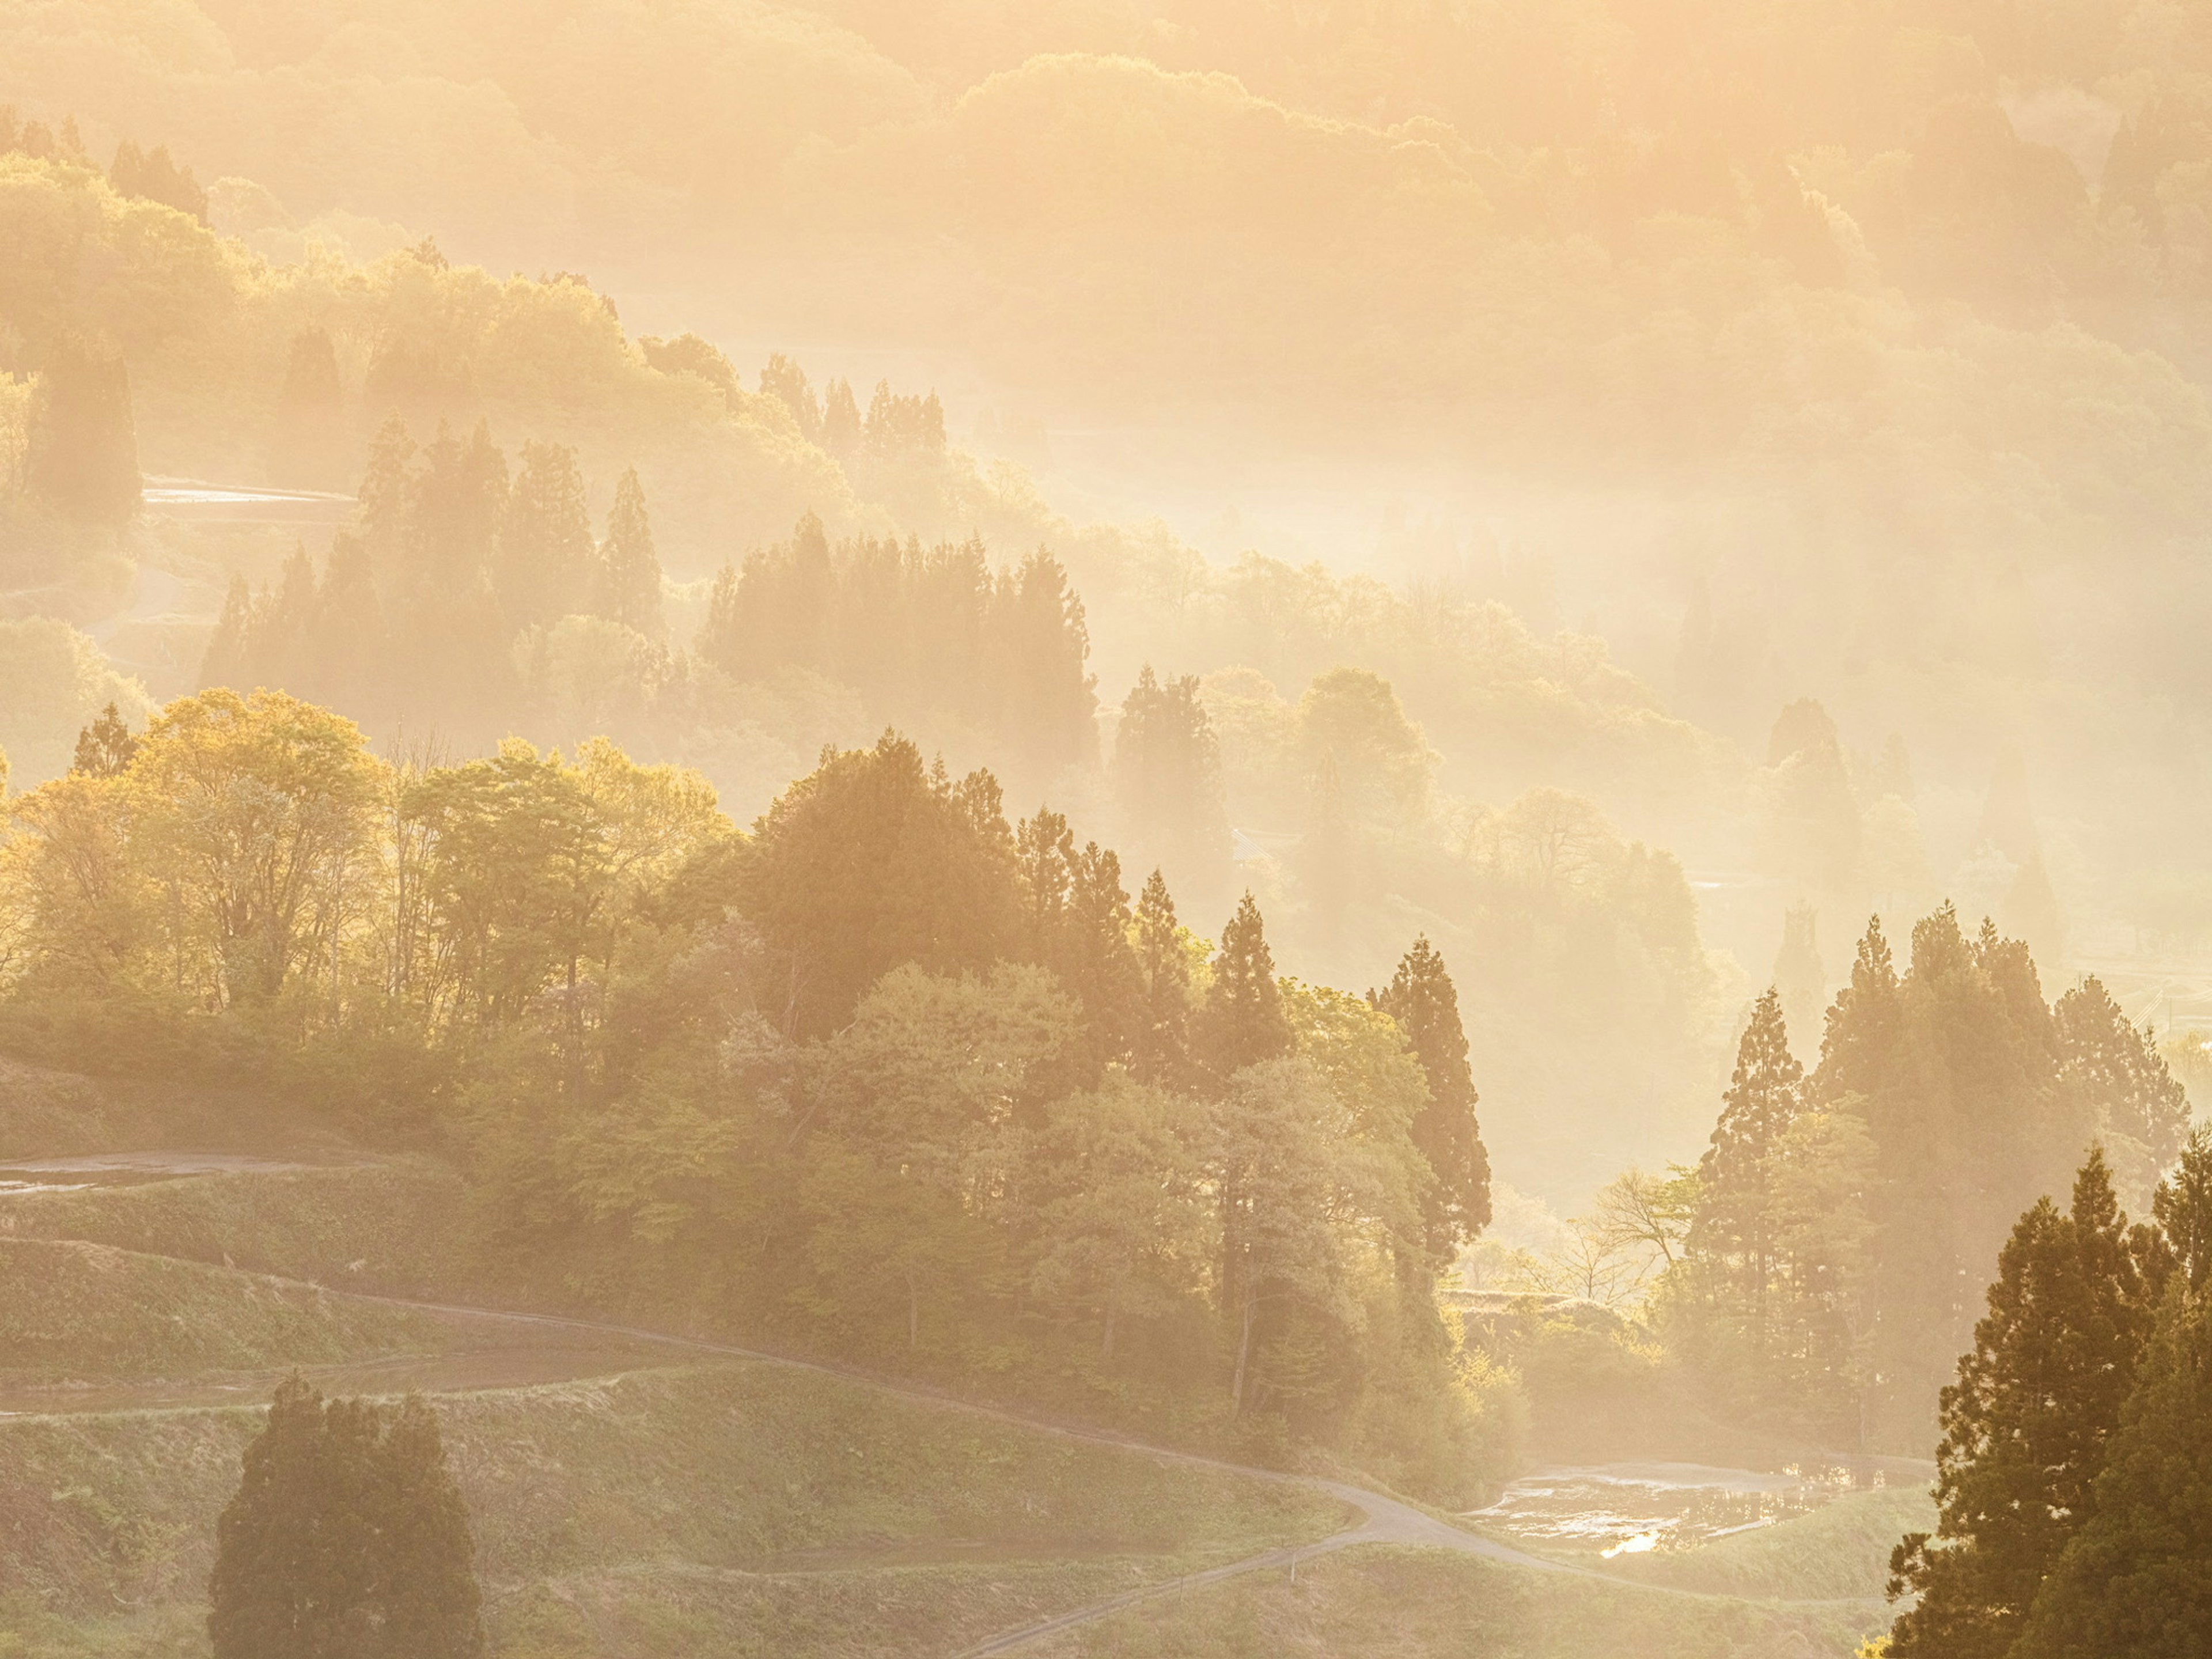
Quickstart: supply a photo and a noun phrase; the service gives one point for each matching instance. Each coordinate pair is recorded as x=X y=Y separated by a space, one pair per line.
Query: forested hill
x=886 y=1076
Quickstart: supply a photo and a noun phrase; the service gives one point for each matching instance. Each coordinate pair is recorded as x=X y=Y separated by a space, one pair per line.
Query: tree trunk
x=1243 y=1352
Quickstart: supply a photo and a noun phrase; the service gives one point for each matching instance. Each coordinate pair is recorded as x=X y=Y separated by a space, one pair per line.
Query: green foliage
x=1424 y=1002
x=2027 y=1426
x=347 y=1536
x=2136 y=1580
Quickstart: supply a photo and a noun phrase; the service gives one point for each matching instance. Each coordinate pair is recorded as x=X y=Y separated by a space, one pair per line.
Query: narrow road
x=1385 y=1519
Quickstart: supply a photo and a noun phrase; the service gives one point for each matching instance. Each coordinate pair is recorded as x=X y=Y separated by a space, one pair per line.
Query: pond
x=1609 y=1510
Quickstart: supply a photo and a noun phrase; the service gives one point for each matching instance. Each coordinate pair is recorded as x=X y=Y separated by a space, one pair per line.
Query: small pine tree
x=1243 y=1022
x=630 y=569
x=2183 y=1205
x=1424 y=1001
x=104 y=748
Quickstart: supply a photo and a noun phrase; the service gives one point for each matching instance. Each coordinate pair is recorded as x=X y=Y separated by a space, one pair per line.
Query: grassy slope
x=735 y=1509
x=83 y=1310
x=1375 y=1603
x=396 y=1227
x=1839 y=1550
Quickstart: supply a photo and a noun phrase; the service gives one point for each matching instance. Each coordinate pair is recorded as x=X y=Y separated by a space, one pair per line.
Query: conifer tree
x=2183 y=1205
x=228 y=659
x=2136 y=1581
x=1734 y=1228
x=545 y=552
x=1161 y=1043
x=629 y=569
x=346 y=1539
x=81 y=448
x=1424 y=1001
x=2120 y=1086
x=1243 y=1022
x=427 y=1559
x=1167 y=772
x=309 y=442
x=104 y=748
x=2027 y=1425
x=1099 y=961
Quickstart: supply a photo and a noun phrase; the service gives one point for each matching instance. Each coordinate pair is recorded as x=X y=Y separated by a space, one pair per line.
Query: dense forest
x=1114 y=754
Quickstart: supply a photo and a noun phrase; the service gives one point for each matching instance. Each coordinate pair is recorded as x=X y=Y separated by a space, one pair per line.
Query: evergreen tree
x=2121 y=1088
x=2025 y=1426
x=2183 y=1205
x=310 y=440
x=874 y=860
x=630 y=569
x=2136 y=1581
x=346 y=1539
x=82 y=451
x=1797 y=972
x=1048 y=712
x=546 y=555
x=229 y=658
x=1097 y=961
x=1160 y=1043
x=1733 y=1229
x=431 y=1604
x=104 y=748
x=1242 y=1023
x=1167 y=772
x=1422 y=999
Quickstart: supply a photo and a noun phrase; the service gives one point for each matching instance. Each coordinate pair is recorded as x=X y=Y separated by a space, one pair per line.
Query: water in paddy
x=1607 y=1509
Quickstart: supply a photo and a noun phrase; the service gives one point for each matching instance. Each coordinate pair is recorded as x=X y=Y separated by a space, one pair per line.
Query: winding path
x=1385 y=1519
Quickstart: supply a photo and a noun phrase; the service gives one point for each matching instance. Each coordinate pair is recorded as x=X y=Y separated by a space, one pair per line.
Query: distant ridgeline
x=468 y=601
x=886 y=1077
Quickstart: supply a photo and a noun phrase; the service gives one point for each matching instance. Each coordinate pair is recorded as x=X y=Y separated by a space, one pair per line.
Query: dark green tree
x=2183 y=1207
x=2027 y=1425
x=2136 y=1581
x=431 y=1603
x=1242 y=1023
x=346 y=1539
x=1424 y=1001
x=104 y=748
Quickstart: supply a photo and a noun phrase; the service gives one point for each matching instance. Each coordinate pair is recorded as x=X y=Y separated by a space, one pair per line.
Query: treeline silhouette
x=468 y=600
x=1840 y=1222
x=887 y=1077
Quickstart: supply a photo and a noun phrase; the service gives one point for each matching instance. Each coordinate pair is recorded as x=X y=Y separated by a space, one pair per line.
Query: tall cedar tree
x=2136 y=1582
x=874 y=860
x=1160 y=1045
x=1733 y=1229
x=1242 y=1023
x=1076 y=922
x=629 y=569
x=2027 y=1425
x=346 y=1539
x=1422 y=999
